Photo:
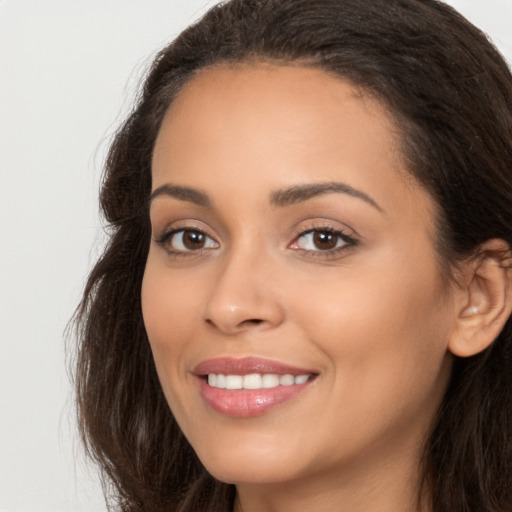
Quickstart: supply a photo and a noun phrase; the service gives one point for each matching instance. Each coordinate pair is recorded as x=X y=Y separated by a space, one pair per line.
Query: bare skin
x=341 y=281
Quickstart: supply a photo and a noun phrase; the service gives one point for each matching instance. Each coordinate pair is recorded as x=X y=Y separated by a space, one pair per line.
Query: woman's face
x=294 y=256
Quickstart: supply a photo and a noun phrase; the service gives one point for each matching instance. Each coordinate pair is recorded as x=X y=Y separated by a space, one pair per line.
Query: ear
x=485 y=299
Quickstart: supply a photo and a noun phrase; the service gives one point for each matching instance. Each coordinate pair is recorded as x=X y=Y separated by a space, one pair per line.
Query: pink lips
x=247 y=402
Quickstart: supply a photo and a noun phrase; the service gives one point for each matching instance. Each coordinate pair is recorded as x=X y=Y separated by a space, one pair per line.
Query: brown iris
x=325 y=240
x=193 y=240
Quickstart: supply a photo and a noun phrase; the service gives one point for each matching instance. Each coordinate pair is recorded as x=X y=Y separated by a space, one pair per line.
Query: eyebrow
x=301 y=193
x=182 y=193
x=279 y=198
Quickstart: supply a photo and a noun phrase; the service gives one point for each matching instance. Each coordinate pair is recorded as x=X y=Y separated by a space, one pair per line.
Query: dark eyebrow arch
x=189 y=194
x=300 y=193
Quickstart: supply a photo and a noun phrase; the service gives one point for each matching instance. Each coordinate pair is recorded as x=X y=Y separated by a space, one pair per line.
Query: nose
x=243 y=295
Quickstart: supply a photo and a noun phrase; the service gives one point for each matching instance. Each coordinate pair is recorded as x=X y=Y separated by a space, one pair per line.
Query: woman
x=304 y=303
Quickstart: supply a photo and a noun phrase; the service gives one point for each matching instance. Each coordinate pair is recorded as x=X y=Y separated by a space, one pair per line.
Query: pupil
x=193 y=239
x=325 y=240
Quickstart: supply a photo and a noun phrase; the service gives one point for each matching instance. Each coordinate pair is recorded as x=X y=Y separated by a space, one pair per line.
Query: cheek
x=384 y=331
x=170 y=309
x=171 y=300
x=395 y=295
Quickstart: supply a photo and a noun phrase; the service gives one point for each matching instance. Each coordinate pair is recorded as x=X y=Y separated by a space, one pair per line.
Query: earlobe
x=487 y=300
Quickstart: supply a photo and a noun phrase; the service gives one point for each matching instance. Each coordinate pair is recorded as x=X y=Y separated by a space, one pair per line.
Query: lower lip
x=244 y=403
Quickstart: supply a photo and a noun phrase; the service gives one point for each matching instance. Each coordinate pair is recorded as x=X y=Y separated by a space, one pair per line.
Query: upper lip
x=247 y=365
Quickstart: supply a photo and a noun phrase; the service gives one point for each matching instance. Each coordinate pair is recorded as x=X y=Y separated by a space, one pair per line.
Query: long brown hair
x=451 y=94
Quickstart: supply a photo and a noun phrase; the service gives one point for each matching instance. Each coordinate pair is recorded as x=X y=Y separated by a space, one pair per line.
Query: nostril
x=235 y=326
x=252 y=321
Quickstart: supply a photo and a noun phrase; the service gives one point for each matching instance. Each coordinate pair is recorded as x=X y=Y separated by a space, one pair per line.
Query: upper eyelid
x=301 y=229
x=349 y=238
x=325 y=228
x=167 y=237
x=168 y=233
x=325 y=225
x=183 y=225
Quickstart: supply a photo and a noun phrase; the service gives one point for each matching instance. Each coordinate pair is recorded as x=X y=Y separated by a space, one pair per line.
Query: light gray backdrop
x=68 y=72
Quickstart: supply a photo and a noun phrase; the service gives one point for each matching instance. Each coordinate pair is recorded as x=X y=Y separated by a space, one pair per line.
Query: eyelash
x=348 y=242
x=167 y=237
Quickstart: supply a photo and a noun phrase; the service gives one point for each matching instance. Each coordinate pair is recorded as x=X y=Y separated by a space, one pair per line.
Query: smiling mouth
x=247 y=387
x=252 y=394
x=255 y=380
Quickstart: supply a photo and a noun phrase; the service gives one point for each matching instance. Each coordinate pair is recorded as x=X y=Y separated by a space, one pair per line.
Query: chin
x=251 y=462
x=244 y=472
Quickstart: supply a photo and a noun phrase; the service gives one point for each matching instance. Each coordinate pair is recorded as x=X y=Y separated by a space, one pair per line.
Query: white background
x=68 y=74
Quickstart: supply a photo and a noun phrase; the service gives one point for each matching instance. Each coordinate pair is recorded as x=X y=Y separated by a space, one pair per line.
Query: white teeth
x=221 y=381
x=234 y=381
x=286 y=380
x=300 y=379
x=254 y=380
x=270 y=380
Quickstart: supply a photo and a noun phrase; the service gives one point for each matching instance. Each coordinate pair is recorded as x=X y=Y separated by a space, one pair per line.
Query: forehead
x=258 y=88
x=263 y=126
x=276 y=105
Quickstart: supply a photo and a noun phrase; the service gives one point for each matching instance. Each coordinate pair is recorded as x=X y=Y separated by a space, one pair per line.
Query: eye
x=186 y=240
x=322 y=240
